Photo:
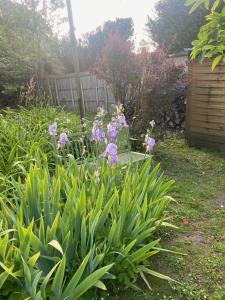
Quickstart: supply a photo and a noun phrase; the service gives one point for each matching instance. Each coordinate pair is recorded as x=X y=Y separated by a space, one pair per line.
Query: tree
x=93 y=42
x=27 y=42
x=211 y=38
x=138 y=80
x=118 y=66
x=173 y=28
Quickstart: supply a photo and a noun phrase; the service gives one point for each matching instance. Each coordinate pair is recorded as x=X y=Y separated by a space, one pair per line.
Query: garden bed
x=33 y=171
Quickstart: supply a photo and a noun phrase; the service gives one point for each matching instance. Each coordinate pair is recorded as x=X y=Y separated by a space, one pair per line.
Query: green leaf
x=88 y=282
x=216 y=61
x=3 y=277
x=156 y=274
x=47 y=278
x=7 y=232
x=55 y=244
x=76 y=277
x=215 y=5
x=58 y=279
x=100 y=285
x=32 y=261
x=207 y=3
x=196 y=4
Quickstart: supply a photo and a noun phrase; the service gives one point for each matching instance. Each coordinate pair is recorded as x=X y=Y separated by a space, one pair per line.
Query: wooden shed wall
x=206 y=105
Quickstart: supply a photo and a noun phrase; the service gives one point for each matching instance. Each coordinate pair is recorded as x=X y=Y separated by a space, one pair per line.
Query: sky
x=89 y=14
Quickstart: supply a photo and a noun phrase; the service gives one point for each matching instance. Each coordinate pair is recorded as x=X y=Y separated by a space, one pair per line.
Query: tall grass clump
x=86 y=227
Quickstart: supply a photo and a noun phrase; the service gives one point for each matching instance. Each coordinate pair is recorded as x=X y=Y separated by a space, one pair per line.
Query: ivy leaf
x=215 y=5
x=216 y=61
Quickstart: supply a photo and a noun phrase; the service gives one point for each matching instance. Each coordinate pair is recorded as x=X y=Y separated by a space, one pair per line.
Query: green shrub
x=84 y=227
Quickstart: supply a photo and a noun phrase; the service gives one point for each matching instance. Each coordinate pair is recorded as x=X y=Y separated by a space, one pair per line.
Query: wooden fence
x=96 y=93
x=206 y=105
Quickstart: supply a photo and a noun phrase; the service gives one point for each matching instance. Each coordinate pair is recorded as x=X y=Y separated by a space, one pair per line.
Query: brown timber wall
x=206 y=106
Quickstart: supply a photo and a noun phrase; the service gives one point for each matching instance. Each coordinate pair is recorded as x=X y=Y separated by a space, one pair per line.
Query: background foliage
x=28 y=46
x=173 y=28
x=211 y=38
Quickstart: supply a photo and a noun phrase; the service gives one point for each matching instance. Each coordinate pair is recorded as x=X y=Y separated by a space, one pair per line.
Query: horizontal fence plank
x=203 y=98
x=220 y=128
x=210 y=110
x=206 y=140
x=208 y=91
x=208 y=84
x=208 y=118
x=206 y=77
x=208 y=131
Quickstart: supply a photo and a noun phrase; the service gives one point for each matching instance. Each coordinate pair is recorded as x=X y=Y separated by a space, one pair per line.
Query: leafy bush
x=83 y=227
x=143 y=82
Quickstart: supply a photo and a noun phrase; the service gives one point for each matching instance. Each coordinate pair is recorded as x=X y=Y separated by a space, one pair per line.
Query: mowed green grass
x=199 y=212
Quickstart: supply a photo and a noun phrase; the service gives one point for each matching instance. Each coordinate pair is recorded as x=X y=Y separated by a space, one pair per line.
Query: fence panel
x=206 y=105
x=96 y=93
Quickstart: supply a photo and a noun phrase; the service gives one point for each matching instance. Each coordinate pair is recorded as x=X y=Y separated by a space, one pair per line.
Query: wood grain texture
x=206 y=105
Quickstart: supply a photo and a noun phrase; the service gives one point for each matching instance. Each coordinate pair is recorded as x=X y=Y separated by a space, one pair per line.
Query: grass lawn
x=199 y=211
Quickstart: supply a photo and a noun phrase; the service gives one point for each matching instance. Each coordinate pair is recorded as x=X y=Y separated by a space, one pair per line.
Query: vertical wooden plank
x=106 y=98
x=71 y=92
x=56 y=91
x=50 y=90
x=82 y=91
x=96 y=92
x=189 y=96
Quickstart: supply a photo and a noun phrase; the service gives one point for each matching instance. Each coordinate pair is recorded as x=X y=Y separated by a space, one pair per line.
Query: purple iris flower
x=52 y=129
x=150 y=143
x=111 y=149
x=111 y=153
x=96 y=123
x=113 y=159
x=63 y=139
x=112 y=132
x=122 y=121
x=98 y=135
